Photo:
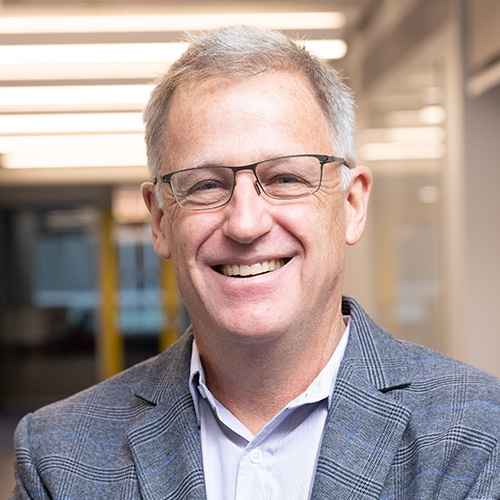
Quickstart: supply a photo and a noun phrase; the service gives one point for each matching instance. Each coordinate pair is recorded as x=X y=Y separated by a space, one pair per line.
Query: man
x=281 y=389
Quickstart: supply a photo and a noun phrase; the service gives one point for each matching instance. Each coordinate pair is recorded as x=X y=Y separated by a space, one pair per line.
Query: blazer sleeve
x=29 y=484
x=487 y=484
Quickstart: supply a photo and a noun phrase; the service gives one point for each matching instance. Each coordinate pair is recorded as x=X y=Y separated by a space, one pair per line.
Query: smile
x=251 y=270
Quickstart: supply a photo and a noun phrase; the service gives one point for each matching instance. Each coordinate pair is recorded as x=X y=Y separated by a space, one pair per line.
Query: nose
x=248 y=214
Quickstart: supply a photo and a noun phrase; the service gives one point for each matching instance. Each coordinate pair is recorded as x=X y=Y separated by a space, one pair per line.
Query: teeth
x=253 y=270
x=244 y=270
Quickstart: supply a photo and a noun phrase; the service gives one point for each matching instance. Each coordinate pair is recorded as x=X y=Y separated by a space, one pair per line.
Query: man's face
x=238 y=122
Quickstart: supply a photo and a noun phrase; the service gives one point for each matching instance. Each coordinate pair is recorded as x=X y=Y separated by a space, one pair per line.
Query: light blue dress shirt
x=280 y=461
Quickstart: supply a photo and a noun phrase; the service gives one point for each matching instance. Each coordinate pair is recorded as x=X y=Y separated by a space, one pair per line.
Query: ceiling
x=75 y=75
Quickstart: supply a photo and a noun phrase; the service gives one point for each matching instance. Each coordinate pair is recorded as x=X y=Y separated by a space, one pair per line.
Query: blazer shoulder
x=118 y=398
x=420 y=376
x=428 y=363
x=68 y=444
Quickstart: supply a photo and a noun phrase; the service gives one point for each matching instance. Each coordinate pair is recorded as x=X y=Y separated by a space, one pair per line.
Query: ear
x=160 y=239
x=357 y=203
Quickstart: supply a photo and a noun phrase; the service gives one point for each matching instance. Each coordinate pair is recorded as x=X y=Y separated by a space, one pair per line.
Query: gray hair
x=242 y=51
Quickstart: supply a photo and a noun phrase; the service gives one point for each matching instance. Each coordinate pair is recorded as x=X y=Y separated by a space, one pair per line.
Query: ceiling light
x=432 y=115
x=111 y=60
x=163 y=23
x=327 y=49
x=90 y=150
x=14 y=55
x=52 y=143
x=82 y=71
x=403 y=134
x=69 y=123
x=402 y=151
x=90 y=53
x=428 y=115
x=110 y=97
x=67 y=159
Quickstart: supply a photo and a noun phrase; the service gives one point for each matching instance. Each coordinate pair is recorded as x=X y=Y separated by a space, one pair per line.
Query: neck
x=256 y=381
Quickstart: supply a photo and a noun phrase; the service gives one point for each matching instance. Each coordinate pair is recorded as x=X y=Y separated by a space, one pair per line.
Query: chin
x=255 y=332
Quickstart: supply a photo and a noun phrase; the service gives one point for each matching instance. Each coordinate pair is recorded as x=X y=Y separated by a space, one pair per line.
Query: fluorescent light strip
x=151 y=23
x=127 y=52
x=69 y=97
x=432 y=115
x=403 y=134
x=428 y=115
x=69 y=123
x=90 y=53
x=111 y=61
x=402 y=151
x=327 y=49
x=81 y=71
x=64 y=158
x=57 y=151
x=53 y=143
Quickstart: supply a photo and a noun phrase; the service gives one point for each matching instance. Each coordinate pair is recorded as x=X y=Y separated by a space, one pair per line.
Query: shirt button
x=256 y=456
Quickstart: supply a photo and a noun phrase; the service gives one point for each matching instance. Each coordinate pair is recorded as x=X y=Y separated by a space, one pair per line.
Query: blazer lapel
x=365 y=423
x=361 y=436
x=364 y=427
x=165 y=438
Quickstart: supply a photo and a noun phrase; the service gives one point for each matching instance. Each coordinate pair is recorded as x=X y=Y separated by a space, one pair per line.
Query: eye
x=286 y=179
x=206 y=186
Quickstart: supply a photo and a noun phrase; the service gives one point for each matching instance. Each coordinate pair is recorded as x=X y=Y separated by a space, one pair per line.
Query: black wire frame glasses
x=282 y=178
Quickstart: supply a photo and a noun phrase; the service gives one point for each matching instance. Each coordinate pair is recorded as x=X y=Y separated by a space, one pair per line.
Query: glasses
x=283 y=178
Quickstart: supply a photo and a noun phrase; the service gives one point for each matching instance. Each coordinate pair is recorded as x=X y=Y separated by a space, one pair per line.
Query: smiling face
x=257 y=269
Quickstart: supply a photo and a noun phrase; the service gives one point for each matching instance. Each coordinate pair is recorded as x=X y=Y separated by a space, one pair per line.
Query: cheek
x=328 y=255
x=172 y=227
x=182 y=235
x=188 y=232
x=327 y=212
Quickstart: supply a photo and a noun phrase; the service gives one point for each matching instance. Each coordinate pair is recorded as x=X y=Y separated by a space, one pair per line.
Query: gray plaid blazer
x=405 y=423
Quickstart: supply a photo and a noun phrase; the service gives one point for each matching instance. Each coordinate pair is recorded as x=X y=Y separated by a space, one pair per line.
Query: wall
x=482 y=231
x=469 y=179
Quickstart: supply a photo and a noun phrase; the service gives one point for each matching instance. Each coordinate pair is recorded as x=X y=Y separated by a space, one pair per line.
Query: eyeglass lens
x=209 y=187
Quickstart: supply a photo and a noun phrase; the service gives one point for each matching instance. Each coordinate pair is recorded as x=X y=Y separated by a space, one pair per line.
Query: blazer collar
x=370 y=351
x=168 y=374
x=365 y=422
x=373 y=352
x=364 y=427
x=165 y=439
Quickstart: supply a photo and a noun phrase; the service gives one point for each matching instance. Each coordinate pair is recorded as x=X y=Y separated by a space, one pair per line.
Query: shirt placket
x=254 y=479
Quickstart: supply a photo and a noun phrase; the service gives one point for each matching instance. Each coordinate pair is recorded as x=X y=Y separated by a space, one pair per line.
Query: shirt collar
x=321 y=387
x=196 y=378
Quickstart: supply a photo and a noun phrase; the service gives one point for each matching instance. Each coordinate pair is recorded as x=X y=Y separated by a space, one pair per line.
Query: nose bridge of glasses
x=251 y=168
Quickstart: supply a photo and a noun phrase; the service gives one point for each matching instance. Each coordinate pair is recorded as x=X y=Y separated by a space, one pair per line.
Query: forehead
x=275 y=111
x=286 y=86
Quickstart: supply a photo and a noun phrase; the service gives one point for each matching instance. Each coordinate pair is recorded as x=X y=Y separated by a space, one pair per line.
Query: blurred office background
x=82 y=293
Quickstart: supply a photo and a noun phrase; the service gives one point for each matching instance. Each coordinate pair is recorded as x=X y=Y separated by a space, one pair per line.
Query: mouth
x=245 y=271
